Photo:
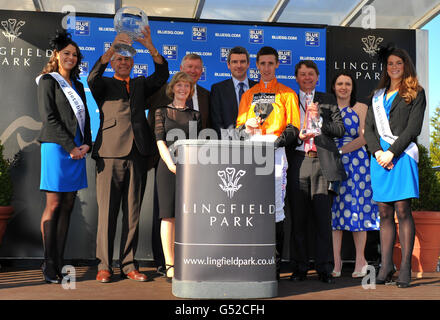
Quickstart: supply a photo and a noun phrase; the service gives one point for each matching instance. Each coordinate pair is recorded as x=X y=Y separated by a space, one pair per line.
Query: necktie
x=126 y=86
x=240 y=91
x=309 y=145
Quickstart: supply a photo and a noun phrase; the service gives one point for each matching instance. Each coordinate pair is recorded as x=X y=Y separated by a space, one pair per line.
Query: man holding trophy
x=315 y=168
x=124 y=142
x=269 y=112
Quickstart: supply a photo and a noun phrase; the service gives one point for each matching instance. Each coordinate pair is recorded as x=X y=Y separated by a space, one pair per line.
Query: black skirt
x=166 y=185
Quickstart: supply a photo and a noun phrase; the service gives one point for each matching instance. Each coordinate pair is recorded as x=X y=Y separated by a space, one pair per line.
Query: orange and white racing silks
x=285 y=106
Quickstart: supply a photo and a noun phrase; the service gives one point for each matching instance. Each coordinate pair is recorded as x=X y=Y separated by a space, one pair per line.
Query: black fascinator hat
x=385 y=51
x=61 y=40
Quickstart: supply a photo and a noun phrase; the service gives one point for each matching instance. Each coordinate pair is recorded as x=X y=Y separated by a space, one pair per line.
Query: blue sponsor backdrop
x=212 y=41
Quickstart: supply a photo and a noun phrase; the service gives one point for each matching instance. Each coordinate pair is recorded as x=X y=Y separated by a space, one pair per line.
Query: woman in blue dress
x=393 y=123
x=65 y=139
x=353 y=209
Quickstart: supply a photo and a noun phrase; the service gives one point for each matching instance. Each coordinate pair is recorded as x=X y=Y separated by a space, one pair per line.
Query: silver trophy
x=129 y=20
x=312 y=123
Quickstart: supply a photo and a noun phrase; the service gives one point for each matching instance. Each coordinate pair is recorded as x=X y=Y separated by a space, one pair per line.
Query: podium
x=225 y=220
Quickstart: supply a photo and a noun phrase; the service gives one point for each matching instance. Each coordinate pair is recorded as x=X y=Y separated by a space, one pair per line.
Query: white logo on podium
x=230 y=180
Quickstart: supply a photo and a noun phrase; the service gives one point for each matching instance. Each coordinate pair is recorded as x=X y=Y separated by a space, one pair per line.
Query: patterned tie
x=309 y=145
x=240 y=91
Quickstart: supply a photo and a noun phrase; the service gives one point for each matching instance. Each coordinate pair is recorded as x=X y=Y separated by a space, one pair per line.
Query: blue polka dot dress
x=354 y=208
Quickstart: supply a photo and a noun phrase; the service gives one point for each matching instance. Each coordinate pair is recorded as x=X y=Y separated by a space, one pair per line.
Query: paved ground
x=25 y=283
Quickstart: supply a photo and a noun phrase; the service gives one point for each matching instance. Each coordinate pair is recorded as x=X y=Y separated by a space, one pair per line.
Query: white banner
x=74 y=99
x=383 y=125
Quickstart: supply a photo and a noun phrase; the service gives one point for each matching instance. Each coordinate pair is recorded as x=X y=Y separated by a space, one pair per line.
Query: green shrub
x=429 y=183
x=5 y=179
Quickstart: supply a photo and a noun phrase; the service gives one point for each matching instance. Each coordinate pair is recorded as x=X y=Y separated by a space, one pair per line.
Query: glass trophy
x=313 y=122
x=129 y=20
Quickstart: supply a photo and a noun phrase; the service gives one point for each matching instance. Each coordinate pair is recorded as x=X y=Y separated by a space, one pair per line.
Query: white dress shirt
x=237 y=87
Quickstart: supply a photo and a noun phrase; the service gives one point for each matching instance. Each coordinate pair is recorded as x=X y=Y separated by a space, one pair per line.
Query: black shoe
x=403 y=284
x=296 y=277
x=388 y=278
x=326 y=278
x=49 y=273
x=50 y=279
x=404 y=279
x=168 y=267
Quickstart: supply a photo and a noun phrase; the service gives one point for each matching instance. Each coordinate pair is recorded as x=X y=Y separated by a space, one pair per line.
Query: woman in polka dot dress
x=354 y=208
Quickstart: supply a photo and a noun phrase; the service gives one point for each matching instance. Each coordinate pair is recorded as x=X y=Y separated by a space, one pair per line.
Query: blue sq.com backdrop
x=212 y=41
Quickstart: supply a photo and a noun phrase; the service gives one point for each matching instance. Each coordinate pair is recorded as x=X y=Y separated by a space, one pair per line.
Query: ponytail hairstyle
x=61 y=40
x=409 y=87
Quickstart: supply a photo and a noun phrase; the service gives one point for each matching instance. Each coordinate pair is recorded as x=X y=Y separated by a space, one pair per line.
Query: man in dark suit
x=314 y=167
x=192 y=64
x=123 y=145
x=226 y=95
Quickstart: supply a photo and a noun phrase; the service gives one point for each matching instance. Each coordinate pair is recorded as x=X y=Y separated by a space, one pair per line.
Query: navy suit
x=224 y=107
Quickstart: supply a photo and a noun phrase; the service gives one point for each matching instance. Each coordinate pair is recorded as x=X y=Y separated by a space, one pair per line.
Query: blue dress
x=399 y=183
x=354 y=209
x=59 y=172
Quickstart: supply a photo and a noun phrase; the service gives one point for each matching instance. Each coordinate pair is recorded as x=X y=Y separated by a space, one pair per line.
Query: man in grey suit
x=122 y=148
x=314 y=167
x=226 y=95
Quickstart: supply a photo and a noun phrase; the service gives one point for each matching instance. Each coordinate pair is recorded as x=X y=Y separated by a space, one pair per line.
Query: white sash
x=383 y=125
x=75 y=100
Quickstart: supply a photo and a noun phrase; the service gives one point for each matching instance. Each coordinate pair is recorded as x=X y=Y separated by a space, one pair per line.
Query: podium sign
x=225 y=220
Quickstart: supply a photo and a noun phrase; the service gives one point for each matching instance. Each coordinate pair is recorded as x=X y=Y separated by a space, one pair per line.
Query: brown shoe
x=136 y=276
x=103 y=276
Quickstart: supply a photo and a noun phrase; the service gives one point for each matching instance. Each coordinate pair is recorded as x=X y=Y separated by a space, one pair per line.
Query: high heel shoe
x=406 y=282
x=49 y=276
x=403 y=284
x=168 y=267
x=388 y=278
x=337 y=274
x=360 y=274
